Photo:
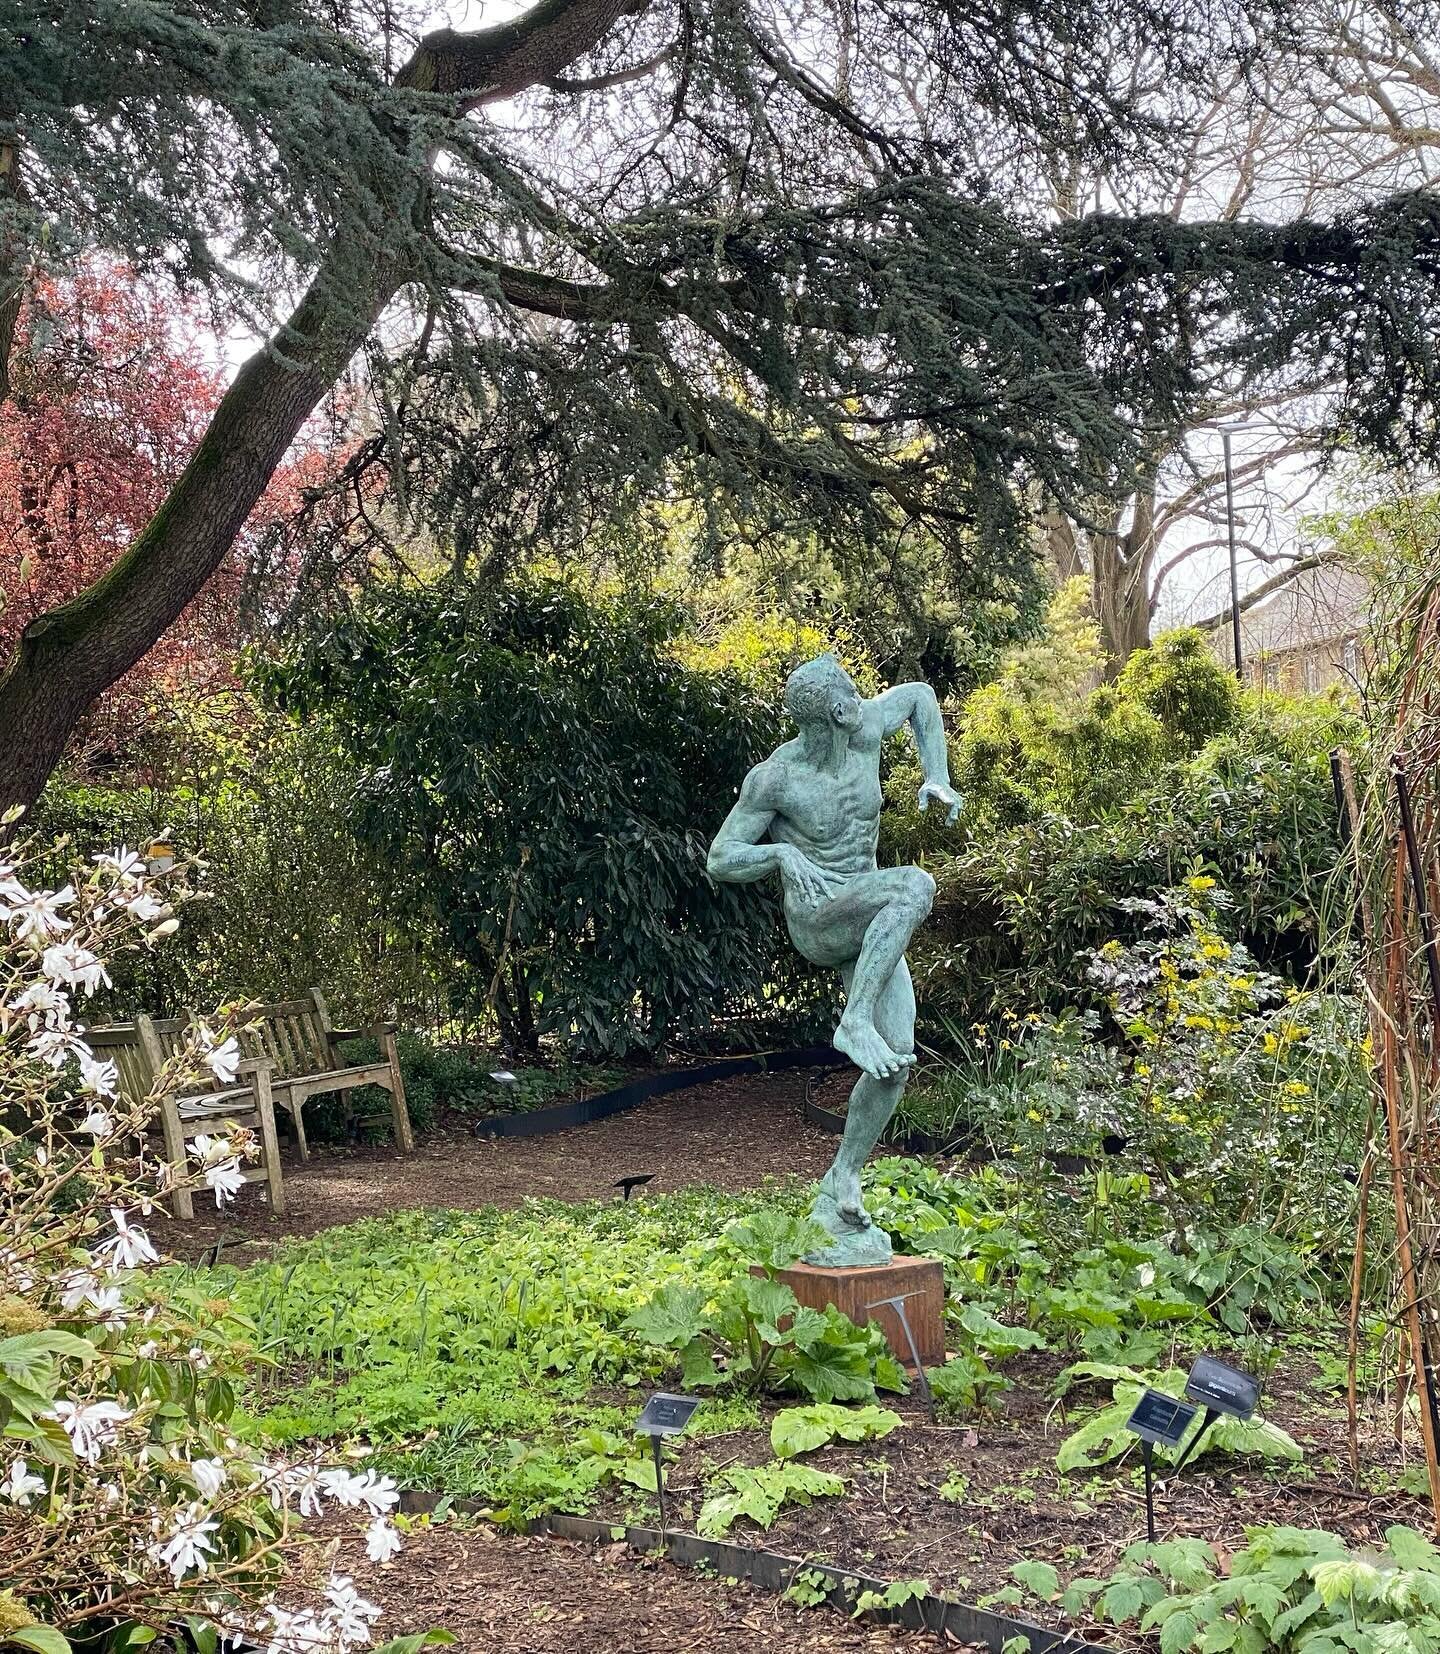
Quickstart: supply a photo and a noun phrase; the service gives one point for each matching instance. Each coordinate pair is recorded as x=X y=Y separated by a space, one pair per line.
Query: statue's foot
x=864 y=1047
x=852 y=1245
x=843 y=1188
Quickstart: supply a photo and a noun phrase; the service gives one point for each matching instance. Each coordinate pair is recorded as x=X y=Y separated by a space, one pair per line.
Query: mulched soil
x=733 y=1134
x=506 y=1595
x=1005 y=1501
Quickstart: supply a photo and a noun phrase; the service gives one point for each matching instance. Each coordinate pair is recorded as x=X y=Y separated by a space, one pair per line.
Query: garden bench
x=297 y=1049
x=140 y=1050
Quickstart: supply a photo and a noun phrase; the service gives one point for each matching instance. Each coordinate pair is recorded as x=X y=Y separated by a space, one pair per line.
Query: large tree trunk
x=66 y=657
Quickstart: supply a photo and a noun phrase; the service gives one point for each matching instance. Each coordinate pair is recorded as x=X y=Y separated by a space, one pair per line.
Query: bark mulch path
x=733 y=1134
x=505 y=1595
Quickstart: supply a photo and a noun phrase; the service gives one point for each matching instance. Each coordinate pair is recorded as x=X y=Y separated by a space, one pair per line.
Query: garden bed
x=508 y=1594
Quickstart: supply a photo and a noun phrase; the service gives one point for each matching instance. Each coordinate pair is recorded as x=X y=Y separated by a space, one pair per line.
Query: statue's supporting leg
x=838 y=1206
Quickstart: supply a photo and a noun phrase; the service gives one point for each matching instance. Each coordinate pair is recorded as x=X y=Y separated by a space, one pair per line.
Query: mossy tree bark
x=70 y=655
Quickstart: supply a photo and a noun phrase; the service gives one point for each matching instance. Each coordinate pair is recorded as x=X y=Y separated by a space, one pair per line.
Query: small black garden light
x=1223 y=1391
x=1161 y=1419
x=663 y=1415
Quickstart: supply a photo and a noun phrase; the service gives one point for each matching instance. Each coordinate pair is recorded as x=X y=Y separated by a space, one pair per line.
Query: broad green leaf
x=28 y=1353
x=1039 y=1577
x=672 y=1318
x=1123 y=1601
x=1179 y=1632
x=802 y=1429
x=418 y=1640
x=42 y=1639
x=1412 y=1550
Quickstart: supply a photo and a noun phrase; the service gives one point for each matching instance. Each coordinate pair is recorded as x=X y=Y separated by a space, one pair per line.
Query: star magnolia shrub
x=127 y=1507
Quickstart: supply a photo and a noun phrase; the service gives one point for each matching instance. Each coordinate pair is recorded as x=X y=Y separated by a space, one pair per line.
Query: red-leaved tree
x=113 y=387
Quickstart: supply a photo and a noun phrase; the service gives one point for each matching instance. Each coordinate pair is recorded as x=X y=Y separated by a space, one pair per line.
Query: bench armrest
x=373 y=1030
x=253 y=1065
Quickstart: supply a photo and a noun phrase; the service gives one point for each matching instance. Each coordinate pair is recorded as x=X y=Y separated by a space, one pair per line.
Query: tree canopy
x=780 y=259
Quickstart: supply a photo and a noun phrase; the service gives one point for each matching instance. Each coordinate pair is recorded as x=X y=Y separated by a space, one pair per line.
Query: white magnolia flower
x=189 y=1546
x=142 y=906
x=382 y=1540
x=106 y=1304
x=103 y=1078
x=226 y=1179
x=148 y=1350
x=55 y=1047
x=304 y=1482
x=78 y=1287
x=38 y=918
x=91 y=1426
x=378 y=1494
x=69 y=962
x=123 y=863
x=12 y=892
x=19 y=1487
x=302 y=1633
x=44 y=1004
x=209 y=1476
x=128 y=1248
x=350 y=1614
x=98 y=1123
x=210 y=1149
x=224 y=1060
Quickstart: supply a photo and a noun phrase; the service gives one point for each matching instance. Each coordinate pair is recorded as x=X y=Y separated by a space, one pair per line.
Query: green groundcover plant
x=1286 y=1591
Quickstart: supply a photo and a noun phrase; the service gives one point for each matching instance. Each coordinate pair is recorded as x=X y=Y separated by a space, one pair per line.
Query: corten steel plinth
x=919 y=1281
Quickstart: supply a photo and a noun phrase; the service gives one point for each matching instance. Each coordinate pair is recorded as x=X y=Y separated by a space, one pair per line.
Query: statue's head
x=820 y=692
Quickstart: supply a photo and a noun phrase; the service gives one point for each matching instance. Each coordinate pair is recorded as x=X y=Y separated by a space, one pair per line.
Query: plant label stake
x=663 y=1415
x=631 y=1184
x=1161 y=1419
x=897 y=1303
x=1221 y=1390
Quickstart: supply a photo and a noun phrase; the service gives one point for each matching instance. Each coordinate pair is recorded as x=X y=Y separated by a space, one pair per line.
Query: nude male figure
x=811 y=813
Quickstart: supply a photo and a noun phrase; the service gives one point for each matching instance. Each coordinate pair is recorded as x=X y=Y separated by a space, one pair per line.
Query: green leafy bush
x=758 y=1494
x=1286 y=1591
x=548 y=770
x=797 y=1430
x=1104 y=1436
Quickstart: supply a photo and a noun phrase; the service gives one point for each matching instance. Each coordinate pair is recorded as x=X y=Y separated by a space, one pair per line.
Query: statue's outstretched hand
x=942 y=795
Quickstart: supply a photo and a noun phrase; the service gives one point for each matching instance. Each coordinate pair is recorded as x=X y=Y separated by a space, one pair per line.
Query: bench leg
x=177 y=1157
x=269 y=1144
x=297 y=1118
x=399 y=1113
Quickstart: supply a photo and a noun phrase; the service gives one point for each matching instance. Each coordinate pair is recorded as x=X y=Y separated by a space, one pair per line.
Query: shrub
x=550 y=772
x=127 y=1507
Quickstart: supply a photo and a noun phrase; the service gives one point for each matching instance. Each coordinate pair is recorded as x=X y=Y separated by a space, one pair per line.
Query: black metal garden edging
x=560 y=1116
x=773 y=1571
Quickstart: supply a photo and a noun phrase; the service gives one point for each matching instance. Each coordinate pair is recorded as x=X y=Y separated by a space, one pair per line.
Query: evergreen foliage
x=549 y=771
x=703 y=254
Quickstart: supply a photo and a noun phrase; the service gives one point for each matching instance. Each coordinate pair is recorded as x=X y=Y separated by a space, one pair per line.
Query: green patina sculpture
x=811 y=813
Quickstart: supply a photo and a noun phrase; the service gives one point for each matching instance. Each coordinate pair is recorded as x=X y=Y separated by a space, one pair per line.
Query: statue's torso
x=833 y=819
